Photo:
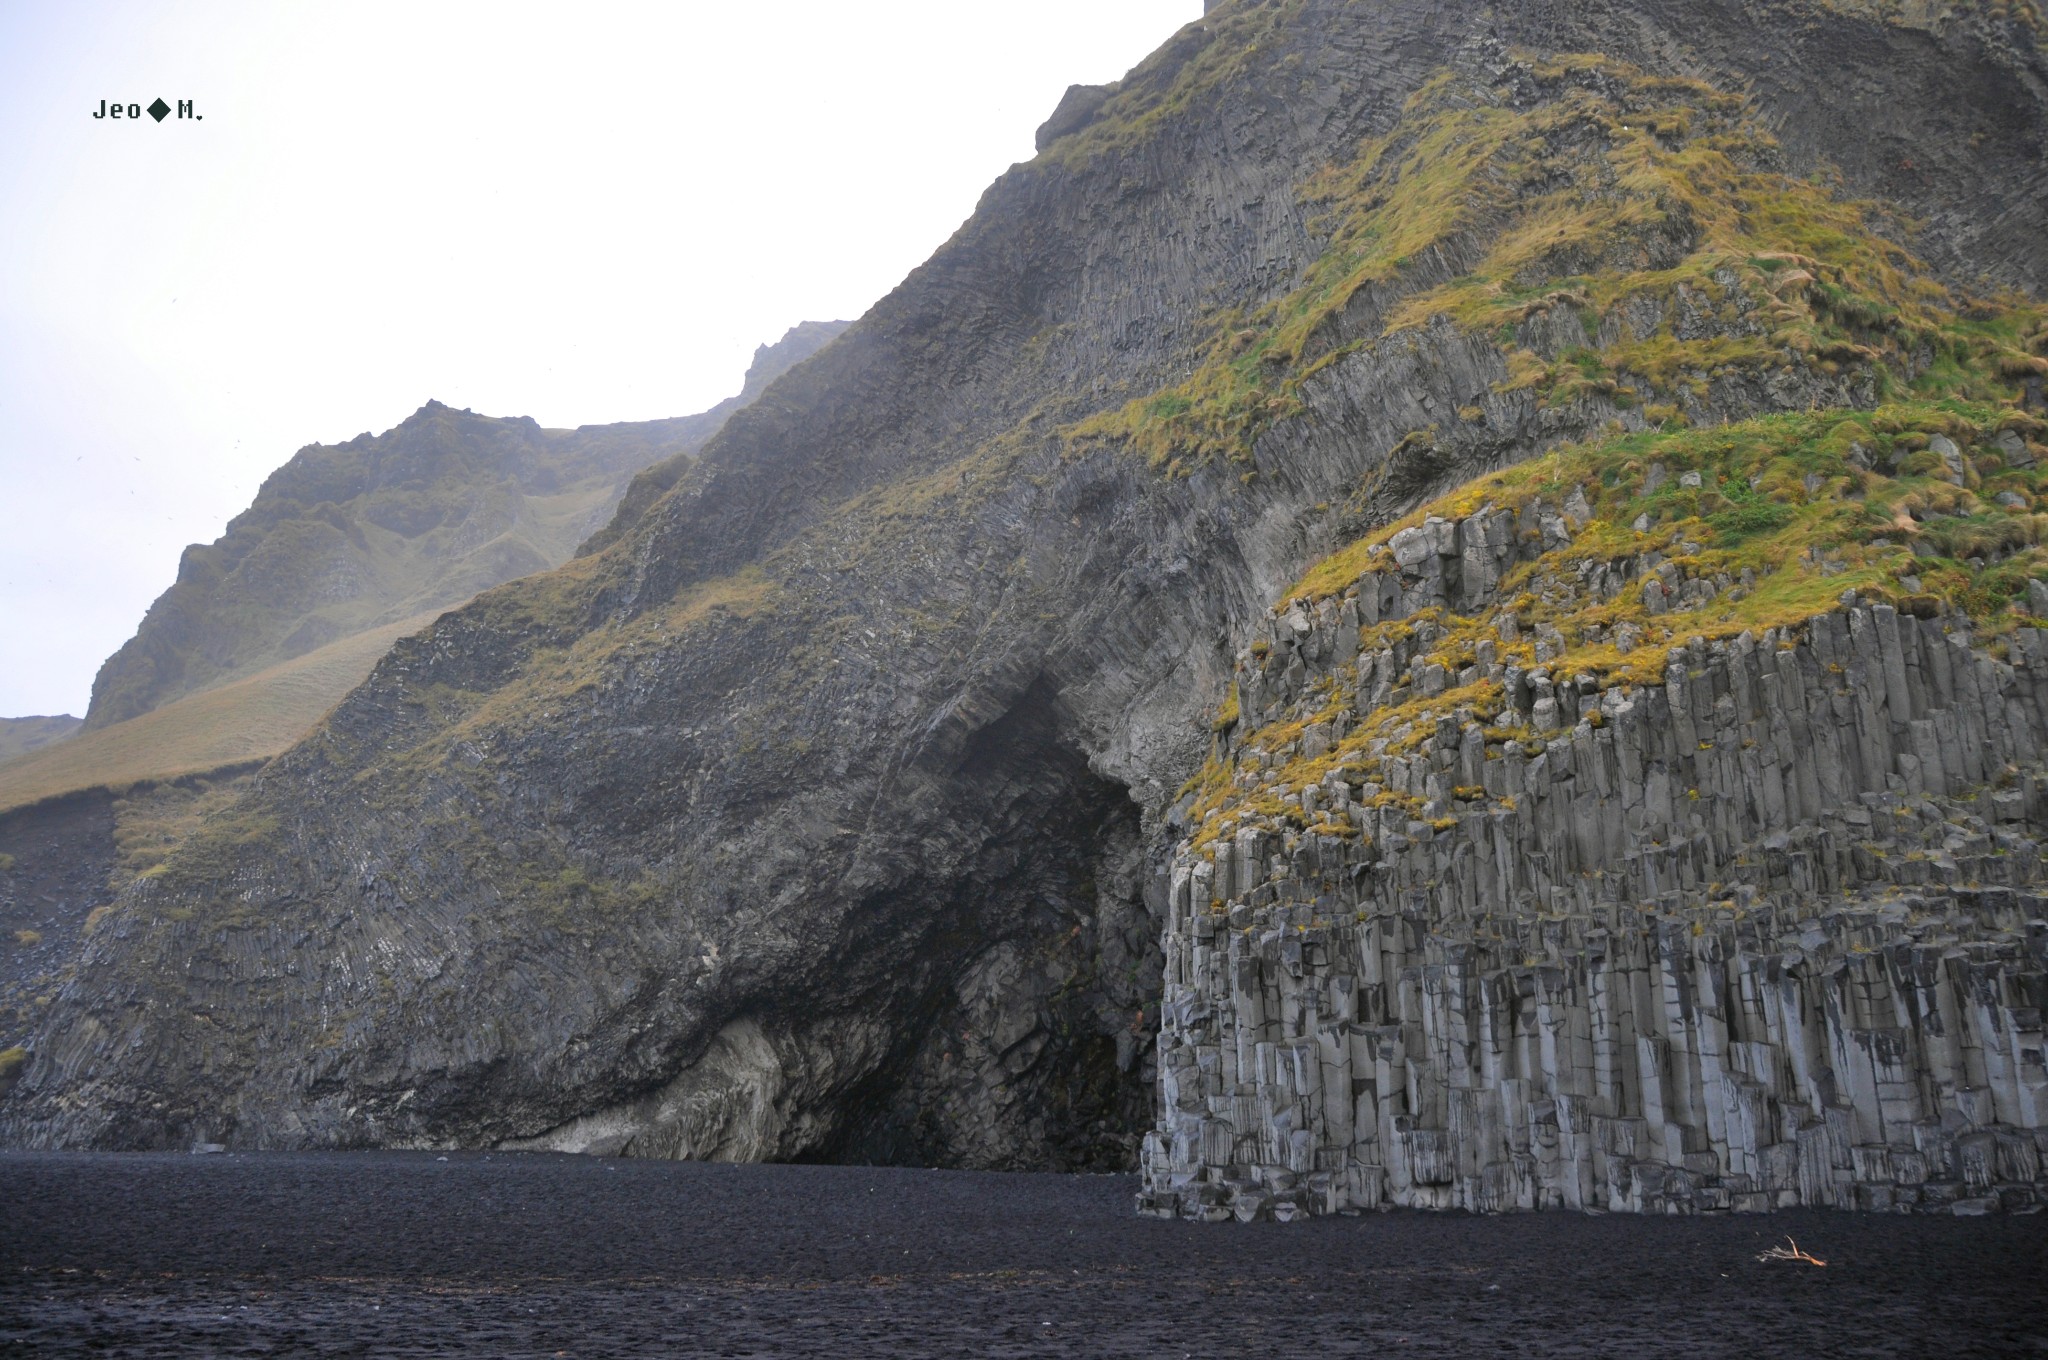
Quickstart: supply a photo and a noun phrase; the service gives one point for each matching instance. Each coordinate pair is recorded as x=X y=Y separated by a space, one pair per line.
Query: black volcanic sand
x=407 y=1254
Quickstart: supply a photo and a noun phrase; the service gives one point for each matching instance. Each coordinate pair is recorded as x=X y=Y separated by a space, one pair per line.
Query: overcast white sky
x=580 y=212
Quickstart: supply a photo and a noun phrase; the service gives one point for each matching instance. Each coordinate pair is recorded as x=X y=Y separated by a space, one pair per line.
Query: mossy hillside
x=1653 y=212
x=237 y=722
x=1936 y=503
x=1179 y=81
x=1614 y=155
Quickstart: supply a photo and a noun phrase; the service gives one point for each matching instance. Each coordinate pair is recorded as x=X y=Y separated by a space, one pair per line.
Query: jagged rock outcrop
x=1772 y=932
x=1077 y=109
x=812 y=812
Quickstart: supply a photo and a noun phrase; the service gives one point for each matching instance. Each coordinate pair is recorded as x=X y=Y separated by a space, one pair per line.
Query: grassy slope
x=19 y=735
x=252 y=718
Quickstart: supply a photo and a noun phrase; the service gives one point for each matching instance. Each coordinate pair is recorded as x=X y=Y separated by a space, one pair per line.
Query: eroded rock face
x=813 y=813
x=1770 y=933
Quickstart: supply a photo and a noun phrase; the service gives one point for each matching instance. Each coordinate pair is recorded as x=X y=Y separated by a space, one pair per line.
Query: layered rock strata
x=1768 y=933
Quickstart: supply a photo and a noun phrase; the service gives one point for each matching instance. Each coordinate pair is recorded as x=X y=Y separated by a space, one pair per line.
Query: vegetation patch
x=153 y=820
x=1932 y=502
x=243 y=721
x=1647 y=216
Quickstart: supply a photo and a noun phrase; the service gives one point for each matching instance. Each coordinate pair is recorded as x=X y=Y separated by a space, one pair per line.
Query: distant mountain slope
x=353 y=537
x=346 y=550
x=18 y=735
x=249 y=718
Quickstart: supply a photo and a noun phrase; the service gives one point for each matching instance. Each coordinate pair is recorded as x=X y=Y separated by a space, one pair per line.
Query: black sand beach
x=407 y=1254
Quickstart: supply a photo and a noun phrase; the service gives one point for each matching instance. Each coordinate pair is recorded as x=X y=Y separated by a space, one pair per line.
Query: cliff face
x=1769 y=932
x=55 y=860
x=823 y=807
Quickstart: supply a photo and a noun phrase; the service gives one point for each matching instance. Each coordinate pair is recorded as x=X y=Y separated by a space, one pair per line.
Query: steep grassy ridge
x=232 y=723
x=358 y=536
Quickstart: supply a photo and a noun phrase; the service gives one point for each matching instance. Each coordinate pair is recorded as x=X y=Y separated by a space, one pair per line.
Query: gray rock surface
x=1770 y=933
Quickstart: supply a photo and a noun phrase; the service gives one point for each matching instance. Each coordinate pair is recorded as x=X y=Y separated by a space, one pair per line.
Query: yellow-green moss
x=1807 y=504
x=1614 y=166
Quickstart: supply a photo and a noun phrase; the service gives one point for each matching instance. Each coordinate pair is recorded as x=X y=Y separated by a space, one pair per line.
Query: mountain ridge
x=386 y=527
x=21 y=735
x=823 y=799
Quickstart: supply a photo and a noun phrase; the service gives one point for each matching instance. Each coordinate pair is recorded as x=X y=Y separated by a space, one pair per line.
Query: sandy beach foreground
x=412 y=1254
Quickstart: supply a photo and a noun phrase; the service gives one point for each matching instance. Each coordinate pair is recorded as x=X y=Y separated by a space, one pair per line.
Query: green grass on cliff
x=1574 y=186
x=1789 y=511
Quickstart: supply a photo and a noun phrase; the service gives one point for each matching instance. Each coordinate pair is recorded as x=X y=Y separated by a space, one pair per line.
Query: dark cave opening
x=1049 y=892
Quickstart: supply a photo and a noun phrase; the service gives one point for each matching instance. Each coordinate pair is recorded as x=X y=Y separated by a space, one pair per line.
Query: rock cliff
x=824 y=807
x=1769 y=932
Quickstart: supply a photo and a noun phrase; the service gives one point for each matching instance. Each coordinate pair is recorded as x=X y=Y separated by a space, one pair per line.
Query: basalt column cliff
x=837 y=800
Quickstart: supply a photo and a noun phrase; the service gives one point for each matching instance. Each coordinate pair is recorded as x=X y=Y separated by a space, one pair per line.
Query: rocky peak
x=797 y=344
x=1077 y=108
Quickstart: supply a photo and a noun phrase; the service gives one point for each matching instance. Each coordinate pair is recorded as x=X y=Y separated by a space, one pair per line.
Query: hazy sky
x=579 y=212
